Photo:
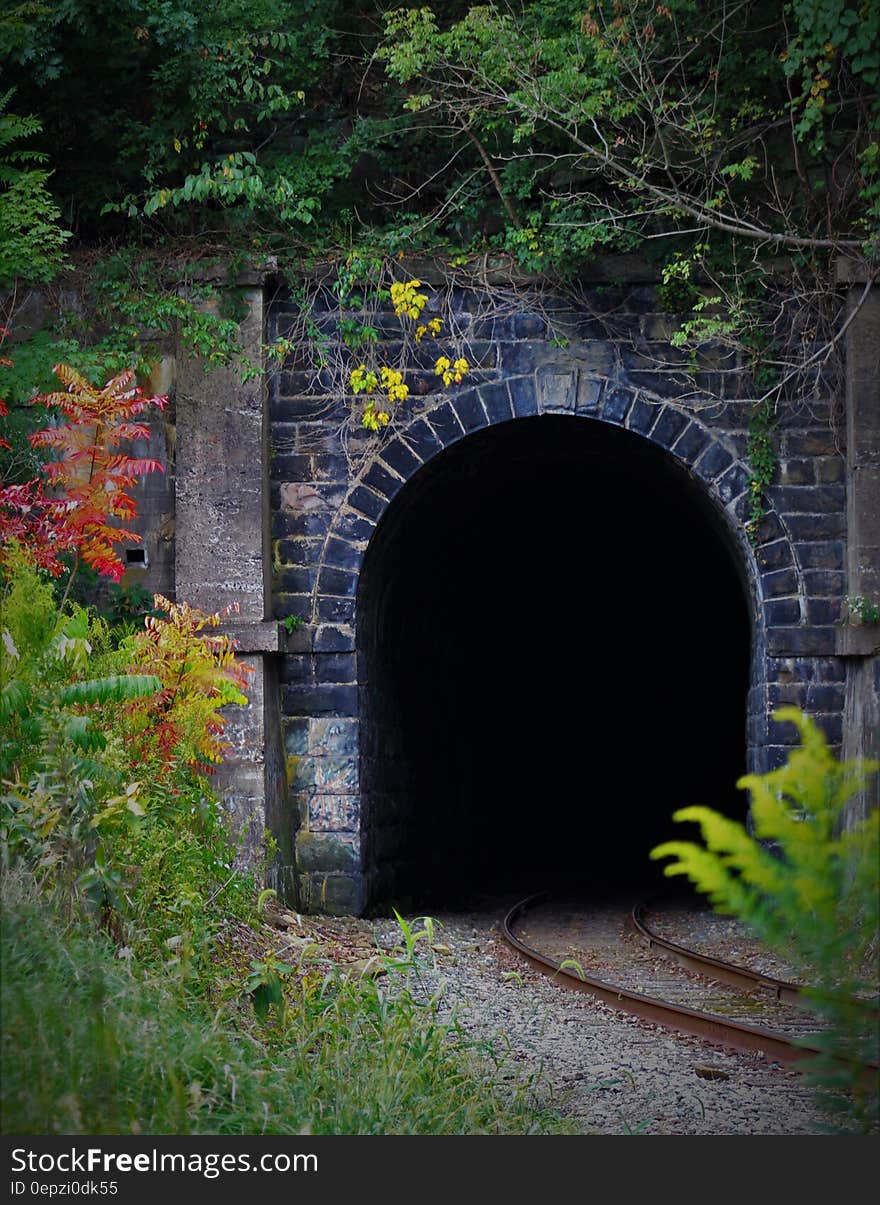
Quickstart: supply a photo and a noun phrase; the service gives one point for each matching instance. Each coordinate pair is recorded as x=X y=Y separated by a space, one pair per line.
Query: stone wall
x=272 y=500
x=616 y=367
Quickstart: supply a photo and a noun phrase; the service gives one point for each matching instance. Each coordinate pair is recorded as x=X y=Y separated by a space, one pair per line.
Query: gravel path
x=606 y=1072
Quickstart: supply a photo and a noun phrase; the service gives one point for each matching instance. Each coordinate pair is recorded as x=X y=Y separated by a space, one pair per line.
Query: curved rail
x=774 y=1047
x=715 y=968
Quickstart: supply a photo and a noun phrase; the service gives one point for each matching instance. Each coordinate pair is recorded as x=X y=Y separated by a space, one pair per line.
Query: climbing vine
x=762 y=459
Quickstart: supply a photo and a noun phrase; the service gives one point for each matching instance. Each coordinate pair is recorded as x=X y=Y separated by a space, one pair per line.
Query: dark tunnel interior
x=553 y=644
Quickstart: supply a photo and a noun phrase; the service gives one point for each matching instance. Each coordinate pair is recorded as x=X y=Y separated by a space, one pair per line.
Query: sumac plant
x=198 y=673
x=84 y=498
x=100 y=735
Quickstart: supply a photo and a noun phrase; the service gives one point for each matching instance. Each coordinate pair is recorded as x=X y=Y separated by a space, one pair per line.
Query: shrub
x=810 y=889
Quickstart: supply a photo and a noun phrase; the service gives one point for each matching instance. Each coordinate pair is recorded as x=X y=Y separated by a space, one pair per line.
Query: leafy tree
x=31 y=240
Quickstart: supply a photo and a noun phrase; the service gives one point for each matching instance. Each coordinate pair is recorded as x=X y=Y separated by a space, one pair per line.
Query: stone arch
x=771 y=567
x=708 y=459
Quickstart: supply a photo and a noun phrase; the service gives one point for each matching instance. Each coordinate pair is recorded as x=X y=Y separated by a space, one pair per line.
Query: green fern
x=807 y=886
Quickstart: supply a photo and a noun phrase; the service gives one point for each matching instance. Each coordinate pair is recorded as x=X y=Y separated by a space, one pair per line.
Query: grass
x=93 y=1044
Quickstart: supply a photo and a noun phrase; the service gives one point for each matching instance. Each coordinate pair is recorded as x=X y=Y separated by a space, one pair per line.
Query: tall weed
x=809 y=888
x=92 y=1045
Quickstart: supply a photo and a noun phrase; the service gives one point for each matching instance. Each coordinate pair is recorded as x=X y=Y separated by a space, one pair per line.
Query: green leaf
x=114 y=689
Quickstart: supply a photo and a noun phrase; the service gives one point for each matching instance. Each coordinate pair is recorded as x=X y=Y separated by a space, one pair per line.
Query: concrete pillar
x=861 y=644
x=221 y=558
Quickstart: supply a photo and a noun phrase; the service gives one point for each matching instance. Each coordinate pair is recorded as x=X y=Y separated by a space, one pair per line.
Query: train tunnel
x=553 y=651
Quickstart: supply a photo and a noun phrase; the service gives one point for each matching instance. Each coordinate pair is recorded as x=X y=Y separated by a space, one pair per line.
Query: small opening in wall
x=137 y=556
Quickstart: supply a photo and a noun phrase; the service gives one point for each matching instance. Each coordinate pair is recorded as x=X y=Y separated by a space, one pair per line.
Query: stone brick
x=326 y=851
x=741 y=509
x=668 y=427
x=423 y=384
x=691 y=443
x=296 y=581
x=823 y=610
x=524 y=396
x=421 y=439
x=318 y=700
x=824 y=583
x=827 y=555
x=331 y=737
x=792 y=694
x=335 y=667
x=529 y=326
x=339 y=894
x=778 y=583
x=830 y=468
x=334 y=640
x=816 y=527
x=367 y=502
x=615 y=404
x=764 y=758
x=808 y=443
x=659 y=326
x=378 y=478
x=352 y=526
x=641 y=300
x=732 y=483
x=642 y=415
x=769 y=529
x=303 y=497
x=588 y=392
x=807 y=499
x=291 y=604
x=338 y=611
x=470 y=410
x=795 y=471
x=315 y=409
x=830 y=669
x=290 y=466
x=782 y=611
x=305 y=551
x=713 y=462
x=310 y=523
x=557 y=390
x=782 y=641
x=445 y=423
x=342 y=555
x=334 y=775
x=338 y=582
x=525 y=356
x=496 y=401
x=300 y=806
x=399 y=457
x=296 y=737
x=296 y=669
x=832 y=726
x=671 y=384
x=496 y=330
x=598 y=358
x=782 y=732
x=774 y=556
x=825 y=697
x=329 y=468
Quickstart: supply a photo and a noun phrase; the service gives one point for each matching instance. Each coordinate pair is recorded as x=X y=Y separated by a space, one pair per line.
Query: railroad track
x=612 y=950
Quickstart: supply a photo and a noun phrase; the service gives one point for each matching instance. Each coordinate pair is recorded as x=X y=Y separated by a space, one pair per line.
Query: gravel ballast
x=607 y=1073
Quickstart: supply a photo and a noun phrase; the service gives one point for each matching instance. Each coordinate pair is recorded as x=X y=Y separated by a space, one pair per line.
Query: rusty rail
x=716 y=968
x=774 y=1047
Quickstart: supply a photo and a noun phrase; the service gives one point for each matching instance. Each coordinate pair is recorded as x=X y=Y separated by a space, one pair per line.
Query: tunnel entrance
x=553 y=652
